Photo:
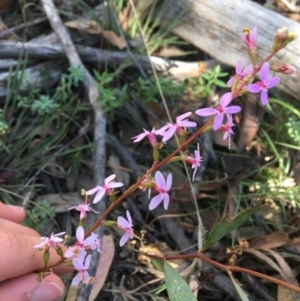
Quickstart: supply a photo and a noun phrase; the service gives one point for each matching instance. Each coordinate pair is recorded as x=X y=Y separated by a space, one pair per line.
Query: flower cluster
x=220 y=119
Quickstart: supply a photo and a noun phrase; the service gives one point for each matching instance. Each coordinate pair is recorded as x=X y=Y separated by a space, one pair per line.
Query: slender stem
x=228 y=268
x=151 y=170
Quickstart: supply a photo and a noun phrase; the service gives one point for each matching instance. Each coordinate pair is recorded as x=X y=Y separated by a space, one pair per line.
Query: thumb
x=27 y=287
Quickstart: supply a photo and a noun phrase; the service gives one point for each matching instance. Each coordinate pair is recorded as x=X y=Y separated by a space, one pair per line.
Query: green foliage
x=38 y=216
x=110 y=98
x=147 y=92
x=3 y=125
x=42 y=104
x=205 y=83
x=293 y=129
x=238 y=289
x=225 y=226
x=177 y=288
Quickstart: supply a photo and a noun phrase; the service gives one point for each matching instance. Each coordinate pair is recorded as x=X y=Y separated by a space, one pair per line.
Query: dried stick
x=100 y=122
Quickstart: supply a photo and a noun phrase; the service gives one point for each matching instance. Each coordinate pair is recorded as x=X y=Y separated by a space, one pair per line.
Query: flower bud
x=282 y=38
x=284 y=69
x=60 y=252
x=46 y=256
x=109 y=223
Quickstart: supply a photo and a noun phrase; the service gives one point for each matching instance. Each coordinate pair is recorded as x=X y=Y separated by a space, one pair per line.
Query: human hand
x=19 y=261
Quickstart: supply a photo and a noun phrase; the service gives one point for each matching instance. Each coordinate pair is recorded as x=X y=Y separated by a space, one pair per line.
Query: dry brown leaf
x=271 y=241
x=265 y=258
x=284 y=294
x=158 y=249
x=6 y=4
x=93 y=27
x=106 y=258
x=113 y=39
x=286 y=273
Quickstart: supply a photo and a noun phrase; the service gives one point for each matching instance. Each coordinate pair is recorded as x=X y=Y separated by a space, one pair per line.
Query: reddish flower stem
x=227 y=268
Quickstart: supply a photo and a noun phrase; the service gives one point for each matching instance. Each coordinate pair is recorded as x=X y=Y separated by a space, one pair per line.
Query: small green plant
x=42 y=104
x=206 y=82
x=293 y=130
x=38 y=216
x=110 y=98
x=147 y=92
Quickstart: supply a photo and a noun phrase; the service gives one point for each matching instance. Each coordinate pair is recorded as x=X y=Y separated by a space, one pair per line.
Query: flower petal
x=129 y=217
x=273 y=82
x=122 y=222
x=169 y=133
x=183 y=116
x=124 y=239
x=159 y=179
x=99 y=195
x=169 y=182
x=233 y=109
x=218 y=121
x=115 y=184
x=76 y=280
x=109 y=179
x=264 y=97
x=187 y=124
x=254 y=88
x=206 y=112
x=225 y=99
x=94 y=190
x=166 y=201
x=238 y=66
x=80 y=234
x=140 y=136
x=264 y=72
x=155 y=201
x=87 y=261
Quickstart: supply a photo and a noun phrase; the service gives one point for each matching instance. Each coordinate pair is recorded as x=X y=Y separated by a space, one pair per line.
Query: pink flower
x=195 y=161
x=107 y=188
x=181 y=122
x=240 y=74
x=226 y=129
x=81 y=243
x=96 y=244
x=52 y=240
x=83 y=208
x=220 y=110
x=126 y=225
x=162 y=186
x=151 y=136
x=264 y=84
x=82 y=268
x=249 y=37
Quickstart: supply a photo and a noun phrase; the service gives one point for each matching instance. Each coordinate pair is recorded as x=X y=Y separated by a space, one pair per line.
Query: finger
x=15 y=228
x=18 y=257
x=12 y=213
x=27 y=287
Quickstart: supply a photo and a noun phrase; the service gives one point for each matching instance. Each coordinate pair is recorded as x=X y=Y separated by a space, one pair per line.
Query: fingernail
x=15 y=207
x=49 y=291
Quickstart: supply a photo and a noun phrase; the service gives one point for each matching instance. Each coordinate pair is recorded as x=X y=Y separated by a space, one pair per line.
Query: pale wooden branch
x=178 y=70
x=100 y=124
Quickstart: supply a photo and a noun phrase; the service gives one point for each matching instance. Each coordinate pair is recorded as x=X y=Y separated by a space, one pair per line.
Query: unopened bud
x=284 y=69
x=60 y=252
x=46 y=256
x=83 y=191
x=109 y=223
x=282 y=38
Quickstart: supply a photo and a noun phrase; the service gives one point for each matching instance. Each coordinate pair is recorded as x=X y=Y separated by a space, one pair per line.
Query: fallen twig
x=100 y=123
